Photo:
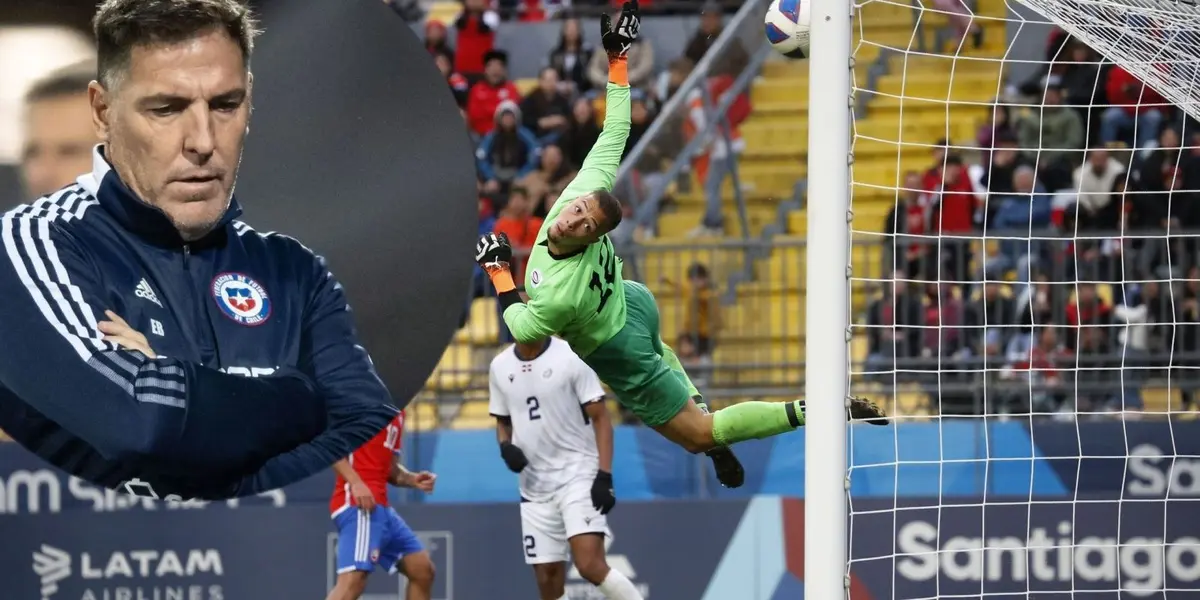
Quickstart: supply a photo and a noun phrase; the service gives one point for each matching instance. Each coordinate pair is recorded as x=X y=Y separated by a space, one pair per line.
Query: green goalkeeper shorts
x=632 y=363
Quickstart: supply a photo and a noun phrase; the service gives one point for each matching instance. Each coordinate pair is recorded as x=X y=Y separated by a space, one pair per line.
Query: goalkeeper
x=573 y=280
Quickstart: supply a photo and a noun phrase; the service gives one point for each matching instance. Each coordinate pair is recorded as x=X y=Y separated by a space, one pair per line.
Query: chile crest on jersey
x=241 y=298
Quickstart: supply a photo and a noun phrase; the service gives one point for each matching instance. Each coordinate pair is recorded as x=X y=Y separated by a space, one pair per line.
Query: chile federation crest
x=241 y=298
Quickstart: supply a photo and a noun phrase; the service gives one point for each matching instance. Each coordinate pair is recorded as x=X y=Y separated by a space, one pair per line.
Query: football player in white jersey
x=554 y=431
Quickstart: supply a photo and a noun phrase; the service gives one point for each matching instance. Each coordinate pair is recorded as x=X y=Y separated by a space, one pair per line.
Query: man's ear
x=100 y=100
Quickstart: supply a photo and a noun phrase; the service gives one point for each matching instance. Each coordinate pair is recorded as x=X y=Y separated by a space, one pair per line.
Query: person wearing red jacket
x=953 y=214
x=1135 y=106
x=486 y=95
x=476 y=35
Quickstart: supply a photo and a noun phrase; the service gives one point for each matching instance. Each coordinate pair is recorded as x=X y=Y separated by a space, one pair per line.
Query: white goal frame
x=826 y=352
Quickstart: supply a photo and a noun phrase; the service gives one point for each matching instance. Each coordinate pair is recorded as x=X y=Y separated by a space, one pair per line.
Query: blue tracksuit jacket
x=260 y=381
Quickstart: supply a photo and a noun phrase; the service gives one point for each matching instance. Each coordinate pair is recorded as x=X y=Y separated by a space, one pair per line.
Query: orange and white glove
x=619 y=39
x=494 y=254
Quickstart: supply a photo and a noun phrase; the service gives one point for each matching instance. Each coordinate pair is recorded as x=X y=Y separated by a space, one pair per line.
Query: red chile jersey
x=373 y=463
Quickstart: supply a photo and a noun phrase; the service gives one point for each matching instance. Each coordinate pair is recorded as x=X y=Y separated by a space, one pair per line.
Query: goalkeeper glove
x=494 y=253
x=514 y=457
x=618 y=40
x=604 y=498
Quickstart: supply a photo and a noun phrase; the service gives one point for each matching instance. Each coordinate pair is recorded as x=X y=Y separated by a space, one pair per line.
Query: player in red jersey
x=370 y=533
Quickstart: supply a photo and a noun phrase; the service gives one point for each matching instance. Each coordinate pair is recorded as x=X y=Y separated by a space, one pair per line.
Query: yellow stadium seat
x=473 y=423
x=1162 y=399
x=444 y=12
x=474 y=409
x=421 y=415
x=453 y=371
x=524 y=86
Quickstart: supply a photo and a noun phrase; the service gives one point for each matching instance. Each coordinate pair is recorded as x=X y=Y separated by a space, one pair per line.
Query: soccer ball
x=787 y=23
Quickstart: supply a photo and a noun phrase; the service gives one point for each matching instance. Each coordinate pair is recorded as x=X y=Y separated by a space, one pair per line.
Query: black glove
x=513 y=457
x=604 y=498
x=493 y=248
x=617 y=40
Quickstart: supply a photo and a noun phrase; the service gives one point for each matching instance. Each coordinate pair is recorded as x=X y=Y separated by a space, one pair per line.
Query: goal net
x=1025 y=297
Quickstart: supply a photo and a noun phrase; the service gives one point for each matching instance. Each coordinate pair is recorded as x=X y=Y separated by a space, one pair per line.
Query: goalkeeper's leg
x=727 y=466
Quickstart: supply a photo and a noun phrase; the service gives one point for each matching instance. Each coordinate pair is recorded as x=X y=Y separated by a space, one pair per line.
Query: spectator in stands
x=1051 y=136
x=907 y=224
x=1159 y=163
x=547 y=110
x=582 y=132
x=486 y=95
x=701 y=307
x=570 y=58
x=991 y=316
x=544 y=184
x=1088 y=310
x=1026 y=210
x=999 y=125
x=1163 y=254
x=669 y=82
x=518 y=223
x=476 y=27
x=58 y=130
x=959 y=15
x=509 y=152
x=1006 y=157
x=1136 y=109
x=640 y=60
x=1079 y=77
x=944 y=317
x=1092 y=198
x=733 y=59
x=697 y=365
x=459 y=85
x=1034 y=308
x=1187 y=317
x=1040 y=366
x=953 y=213
x=1098 y=375
x=640 y=119
x=436 y=40
x=893 y=326
x=717 y=158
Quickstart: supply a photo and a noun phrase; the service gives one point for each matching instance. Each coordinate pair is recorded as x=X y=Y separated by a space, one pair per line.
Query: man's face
x=552 y=158
x=710 y=22
x=175 y=124
x=495 y=71
x=580 y=223
x=1023 y=182
x=953 y=172
x=548 y=81
x=1053 y=96
x=1098 y=159
x=508 y=121
x=58 y=143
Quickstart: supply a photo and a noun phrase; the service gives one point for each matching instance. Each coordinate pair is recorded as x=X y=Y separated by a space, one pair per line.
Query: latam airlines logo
x=52 y=566
x=241 y=298
x=133 y=574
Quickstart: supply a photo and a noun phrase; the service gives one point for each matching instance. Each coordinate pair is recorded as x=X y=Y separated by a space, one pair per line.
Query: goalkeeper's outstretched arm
x=599 y=170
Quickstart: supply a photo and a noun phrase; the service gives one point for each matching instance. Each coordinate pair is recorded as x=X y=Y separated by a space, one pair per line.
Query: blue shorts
x=366 y=541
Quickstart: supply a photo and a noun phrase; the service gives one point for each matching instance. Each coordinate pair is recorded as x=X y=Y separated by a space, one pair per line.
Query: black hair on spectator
x=499 y=55
x=611 y=207
x=954 y=159
x=65 y=81
x=122 y=25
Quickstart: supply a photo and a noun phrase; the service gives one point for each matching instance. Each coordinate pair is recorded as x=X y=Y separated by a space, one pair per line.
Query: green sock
x=755 y=420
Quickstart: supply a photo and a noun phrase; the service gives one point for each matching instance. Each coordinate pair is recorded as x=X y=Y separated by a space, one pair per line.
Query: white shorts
x=546 y=526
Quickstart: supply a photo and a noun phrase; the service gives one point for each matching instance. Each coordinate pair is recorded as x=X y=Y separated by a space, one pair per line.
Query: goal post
x=1004 y=250
x=830 y=101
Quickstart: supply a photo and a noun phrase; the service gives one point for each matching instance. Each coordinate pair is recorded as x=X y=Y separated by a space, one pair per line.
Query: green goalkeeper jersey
x=579 y=298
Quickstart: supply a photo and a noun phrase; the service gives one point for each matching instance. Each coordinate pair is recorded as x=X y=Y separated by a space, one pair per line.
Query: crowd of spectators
x=1062 y=264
